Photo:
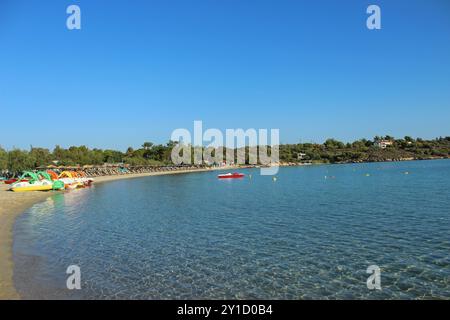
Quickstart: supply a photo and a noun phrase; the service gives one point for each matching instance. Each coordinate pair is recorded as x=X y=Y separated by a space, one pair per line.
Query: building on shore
x=383 y=144
x=301 y=156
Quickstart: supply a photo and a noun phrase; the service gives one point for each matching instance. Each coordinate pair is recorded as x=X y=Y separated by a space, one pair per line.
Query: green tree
x=333 y=144
x=59 y=154
x=3 y=159
x=20 y=160
x=112 y=156
x=41 y=156
x=147 y=145
x=129 y=152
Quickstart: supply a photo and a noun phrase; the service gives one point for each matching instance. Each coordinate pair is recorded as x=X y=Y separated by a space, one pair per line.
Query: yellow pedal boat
x=32 y=188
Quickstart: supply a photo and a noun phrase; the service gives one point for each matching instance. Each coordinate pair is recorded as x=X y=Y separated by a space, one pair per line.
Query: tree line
x=331 y=151
x=363 y=150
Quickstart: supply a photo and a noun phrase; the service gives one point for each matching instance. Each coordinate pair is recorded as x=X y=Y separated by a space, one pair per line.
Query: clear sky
x=137 y=70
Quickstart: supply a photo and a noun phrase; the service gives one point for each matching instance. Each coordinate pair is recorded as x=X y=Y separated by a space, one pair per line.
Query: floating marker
x=367 y=175
x=274 y=179
x=406 y=172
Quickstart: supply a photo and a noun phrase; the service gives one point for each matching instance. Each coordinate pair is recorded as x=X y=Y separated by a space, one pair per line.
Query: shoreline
x=16 y=203
x=13 y=204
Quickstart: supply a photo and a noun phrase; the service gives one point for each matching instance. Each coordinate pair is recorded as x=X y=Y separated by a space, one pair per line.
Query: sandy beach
x=12 y=204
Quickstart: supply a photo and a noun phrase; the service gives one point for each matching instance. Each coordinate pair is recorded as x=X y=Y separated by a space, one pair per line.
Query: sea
x=344 y=231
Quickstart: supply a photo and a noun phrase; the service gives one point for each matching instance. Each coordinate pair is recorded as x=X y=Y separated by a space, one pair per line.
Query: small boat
x=47 y=187
x=72 y=186
x=73 y=180
x=230 y=175
x=43 y=185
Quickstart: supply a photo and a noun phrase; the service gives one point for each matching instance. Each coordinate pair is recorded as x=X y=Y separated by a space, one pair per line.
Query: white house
x=383 y=143
x=300 y=156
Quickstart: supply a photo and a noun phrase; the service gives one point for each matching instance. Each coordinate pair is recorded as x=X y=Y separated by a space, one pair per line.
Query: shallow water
x=193 y=236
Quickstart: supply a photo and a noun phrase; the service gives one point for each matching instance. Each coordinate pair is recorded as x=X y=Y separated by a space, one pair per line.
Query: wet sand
x=12 y=204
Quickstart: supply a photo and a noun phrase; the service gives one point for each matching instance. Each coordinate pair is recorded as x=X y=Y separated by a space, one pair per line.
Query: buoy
x=274 y=179
x=367 y=175
x=406 y=172
x=249 y=176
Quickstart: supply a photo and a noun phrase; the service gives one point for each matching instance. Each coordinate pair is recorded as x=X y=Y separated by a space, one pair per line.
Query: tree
x=360 y=145
x=333 y=144
x=147 y=145
x=20 y=160
x=129 y=152
x=112 y=156
x=3 y=159
x=58 y=153
x=41 y=156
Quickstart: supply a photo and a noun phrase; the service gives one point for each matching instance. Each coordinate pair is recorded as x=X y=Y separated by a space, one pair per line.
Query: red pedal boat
x=11 y=181
x=234 y=175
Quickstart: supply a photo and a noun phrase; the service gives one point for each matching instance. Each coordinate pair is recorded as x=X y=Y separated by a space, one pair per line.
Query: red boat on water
x=234 y=175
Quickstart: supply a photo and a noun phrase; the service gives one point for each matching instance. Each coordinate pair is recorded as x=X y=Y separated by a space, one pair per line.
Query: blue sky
x=137 y=70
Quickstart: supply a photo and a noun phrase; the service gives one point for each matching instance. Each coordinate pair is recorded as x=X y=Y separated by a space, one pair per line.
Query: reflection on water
x=194 y=236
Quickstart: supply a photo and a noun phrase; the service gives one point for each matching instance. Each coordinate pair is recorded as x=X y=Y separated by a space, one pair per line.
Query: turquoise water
x=193 y=236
